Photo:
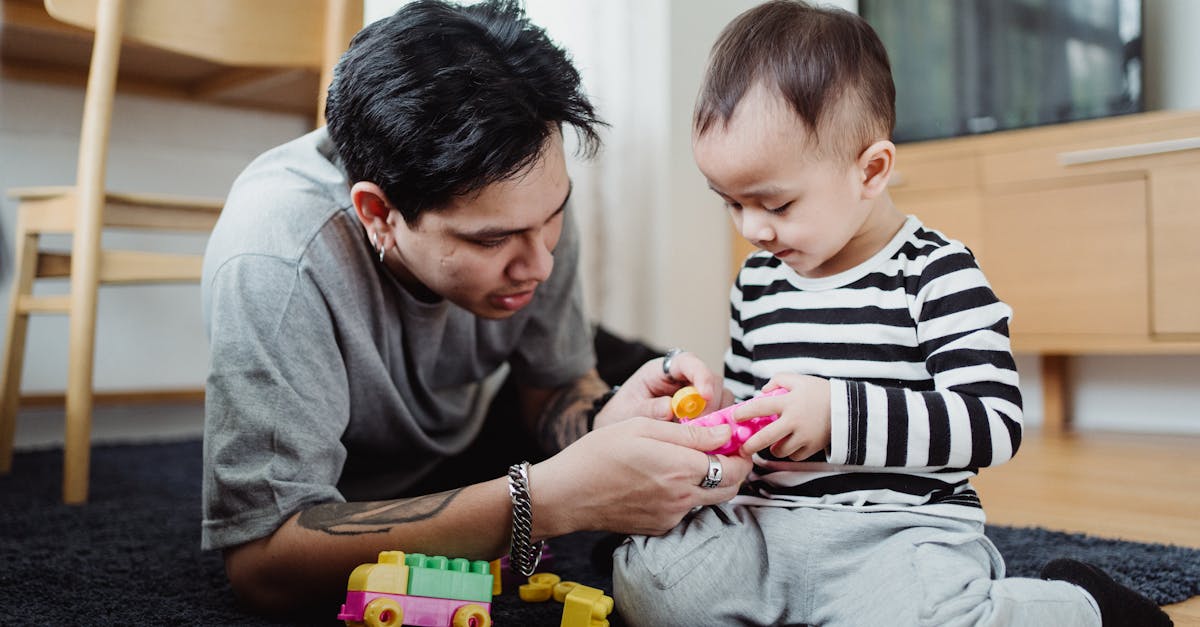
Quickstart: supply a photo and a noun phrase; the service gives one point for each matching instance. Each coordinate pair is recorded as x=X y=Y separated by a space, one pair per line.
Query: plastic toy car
x=419 y=590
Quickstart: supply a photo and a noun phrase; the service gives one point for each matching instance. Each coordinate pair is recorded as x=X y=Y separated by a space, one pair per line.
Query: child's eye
x=733 y=206
x=781 y=209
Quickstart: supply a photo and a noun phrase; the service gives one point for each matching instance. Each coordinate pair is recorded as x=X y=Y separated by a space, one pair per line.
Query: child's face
x=812 y=210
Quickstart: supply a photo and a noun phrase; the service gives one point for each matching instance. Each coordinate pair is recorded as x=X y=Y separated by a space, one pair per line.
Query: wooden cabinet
x=1090 y=230
x=1175 y=252
x=1071 y=260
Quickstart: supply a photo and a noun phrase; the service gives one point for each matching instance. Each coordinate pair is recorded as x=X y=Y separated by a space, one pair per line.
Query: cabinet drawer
x=1175 y=250
x=924 y=167
x=1090 y=155
x=1071 y=259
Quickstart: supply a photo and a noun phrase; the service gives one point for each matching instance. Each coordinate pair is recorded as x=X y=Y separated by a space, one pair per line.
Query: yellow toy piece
x=540 y=587
x=687 y=403
x=383 y=612
x=561 y=590
x=585 y=606
x=494 y=567
x=472 y=616
x=388 y=575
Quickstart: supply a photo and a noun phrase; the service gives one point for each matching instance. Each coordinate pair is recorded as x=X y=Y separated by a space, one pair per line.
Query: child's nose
x=756 y=227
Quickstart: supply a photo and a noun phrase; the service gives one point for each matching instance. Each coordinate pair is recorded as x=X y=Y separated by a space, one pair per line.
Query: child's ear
x=876 y=163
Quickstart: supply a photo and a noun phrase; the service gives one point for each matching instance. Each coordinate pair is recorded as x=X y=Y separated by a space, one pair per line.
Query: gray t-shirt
x=329 y=381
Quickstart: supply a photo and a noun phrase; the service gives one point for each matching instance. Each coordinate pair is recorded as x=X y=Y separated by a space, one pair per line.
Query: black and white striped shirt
x=923 y=386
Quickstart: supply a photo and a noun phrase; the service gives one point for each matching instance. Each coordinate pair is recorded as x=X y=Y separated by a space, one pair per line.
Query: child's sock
x=1119 y=606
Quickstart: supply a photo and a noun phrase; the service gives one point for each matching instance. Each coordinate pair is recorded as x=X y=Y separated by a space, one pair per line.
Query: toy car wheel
x=383 y=612
x=472 y=616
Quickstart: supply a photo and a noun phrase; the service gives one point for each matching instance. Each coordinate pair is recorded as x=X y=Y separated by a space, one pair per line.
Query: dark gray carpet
x=131 y=556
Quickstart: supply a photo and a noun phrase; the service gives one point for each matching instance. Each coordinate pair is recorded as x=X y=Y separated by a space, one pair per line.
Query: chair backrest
x=245 y=33
x=252 y=33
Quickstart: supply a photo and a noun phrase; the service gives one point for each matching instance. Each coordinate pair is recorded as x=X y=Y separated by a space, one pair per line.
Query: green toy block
x=439 y=577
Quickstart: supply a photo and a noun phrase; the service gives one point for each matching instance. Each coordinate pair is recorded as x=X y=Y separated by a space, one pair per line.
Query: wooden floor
x=1134 y=487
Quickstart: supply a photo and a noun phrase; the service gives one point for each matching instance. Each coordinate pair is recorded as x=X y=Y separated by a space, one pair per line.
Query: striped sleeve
x=738 y=377
x=971 y=418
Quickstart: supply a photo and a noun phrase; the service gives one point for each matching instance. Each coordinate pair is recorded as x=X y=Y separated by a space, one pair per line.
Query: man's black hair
x=439 y=101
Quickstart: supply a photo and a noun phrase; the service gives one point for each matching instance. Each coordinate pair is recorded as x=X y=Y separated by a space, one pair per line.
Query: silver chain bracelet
x=523 y=554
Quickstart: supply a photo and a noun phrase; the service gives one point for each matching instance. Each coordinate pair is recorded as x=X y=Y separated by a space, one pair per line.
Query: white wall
x=1171 y=51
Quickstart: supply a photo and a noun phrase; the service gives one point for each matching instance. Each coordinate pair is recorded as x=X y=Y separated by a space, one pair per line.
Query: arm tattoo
x=353 y=519
x=564 y=419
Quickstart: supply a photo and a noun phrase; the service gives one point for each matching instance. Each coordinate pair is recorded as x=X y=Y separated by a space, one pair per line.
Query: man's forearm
x=311 y=555
x=352 y=519
x=564 y=417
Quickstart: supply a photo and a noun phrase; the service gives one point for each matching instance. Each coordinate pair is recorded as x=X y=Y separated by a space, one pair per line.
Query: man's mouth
x=513 y=301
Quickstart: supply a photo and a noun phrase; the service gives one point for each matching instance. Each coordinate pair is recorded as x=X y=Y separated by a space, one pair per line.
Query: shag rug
x=131 y=556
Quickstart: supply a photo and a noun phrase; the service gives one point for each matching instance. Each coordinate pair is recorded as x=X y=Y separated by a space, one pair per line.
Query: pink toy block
x=741 y=431
x=410 y=610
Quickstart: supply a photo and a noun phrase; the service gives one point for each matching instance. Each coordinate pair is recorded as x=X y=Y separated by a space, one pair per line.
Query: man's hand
x=636 y=476
x=648 y=392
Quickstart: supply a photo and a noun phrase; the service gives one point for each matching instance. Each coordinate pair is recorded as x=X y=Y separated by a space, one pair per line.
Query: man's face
x=487 y=252
x=785 y=195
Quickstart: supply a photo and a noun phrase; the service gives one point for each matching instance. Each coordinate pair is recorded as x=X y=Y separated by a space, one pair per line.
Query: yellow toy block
x=585 y=606
x=539 y=588
x=494 y=567
x=687 y=403
x=388 y=575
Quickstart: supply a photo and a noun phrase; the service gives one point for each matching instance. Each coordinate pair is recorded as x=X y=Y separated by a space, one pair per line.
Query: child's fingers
x=788 y=446
x=785 y=380
x=755 y=407
x=764 y=438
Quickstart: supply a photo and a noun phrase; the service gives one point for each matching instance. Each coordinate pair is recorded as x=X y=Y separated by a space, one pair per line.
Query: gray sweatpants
x=736 y=565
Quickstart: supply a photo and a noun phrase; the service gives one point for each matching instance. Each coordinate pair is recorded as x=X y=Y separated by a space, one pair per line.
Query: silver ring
x=667 y=363
x=715 y=472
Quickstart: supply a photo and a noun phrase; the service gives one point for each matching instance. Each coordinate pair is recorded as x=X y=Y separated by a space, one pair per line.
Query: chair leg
x=14 y=345
x=81 y=357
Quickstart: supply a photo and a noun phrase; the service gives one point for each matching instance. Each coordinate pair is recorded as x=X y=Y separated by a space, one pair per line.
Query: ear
x=875 y=165
x=371 y=206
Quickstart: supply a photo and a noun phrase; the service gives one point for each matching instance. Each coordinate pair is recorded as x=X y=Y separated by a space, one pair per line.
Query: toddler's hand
x=802 y=429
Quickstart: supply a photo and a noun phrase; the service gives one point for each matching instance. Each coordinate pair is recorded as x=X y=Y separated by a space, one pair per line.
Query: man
x=367 y=290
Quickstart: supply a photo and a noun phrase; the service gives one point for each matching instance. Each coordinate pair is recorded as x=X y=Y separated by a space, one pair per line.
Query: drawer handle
x=1112 y=153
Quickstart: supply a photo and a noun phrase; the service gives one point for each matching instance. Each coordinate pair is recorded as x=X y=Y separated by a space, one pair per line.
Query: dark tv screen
x=975 y=66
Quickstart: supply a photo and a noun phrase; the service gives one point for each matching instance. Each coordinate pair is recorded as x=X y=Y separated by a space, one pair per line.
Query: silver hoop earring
x=377 y=243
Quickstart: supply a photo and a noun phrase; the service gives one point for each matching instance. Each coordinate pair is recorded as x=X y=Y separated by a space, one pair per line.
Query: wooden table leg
x=1056 y=395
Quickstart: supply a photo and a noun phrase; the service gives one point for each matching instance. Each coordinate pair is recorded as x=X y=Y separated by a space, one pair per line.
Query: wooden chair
x=248 y=35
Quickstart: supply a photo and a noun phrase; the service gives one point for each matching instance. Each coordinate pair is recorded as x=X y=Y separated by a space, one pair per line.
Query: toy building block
x=494 y=567
x=687 y=403
x=540 y=587
x=740 y=431
x=585 y=606
x=389 y=574
x=415 y=589
x=440 y=577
